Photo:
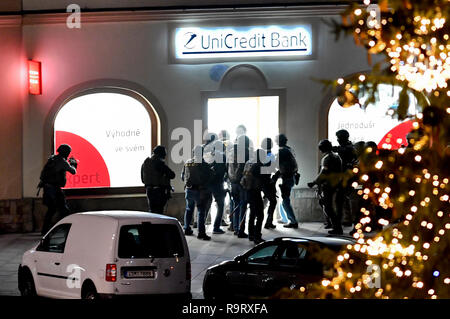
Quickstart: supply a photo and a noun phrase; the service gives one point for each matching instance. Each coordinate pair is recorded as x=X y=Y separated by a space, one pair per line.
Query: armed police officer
x=268 y=186
x=197 y=175
x=288 y=171
x=219 y=168
x=347 y=153
x=329 y=180
x=241 y=154
x=156 y=176
x=252 y=181
x=52 y=179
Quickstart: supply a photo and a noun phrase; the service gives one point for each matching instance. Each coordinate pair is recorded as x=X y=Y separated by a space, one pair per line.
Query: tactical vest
x=197 y=175
x=287 y=163
x=251 y=179
x=152 y=174
x=50 y=173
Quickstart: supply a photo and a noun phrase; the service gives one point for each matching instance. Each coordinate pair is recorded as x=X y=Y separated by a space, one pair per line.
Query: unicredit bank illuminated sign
x=237 y=42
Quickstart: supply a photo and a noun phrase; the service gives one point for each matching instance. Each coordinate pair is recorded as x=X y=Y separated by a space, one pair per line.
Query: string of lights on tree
x=406 y=190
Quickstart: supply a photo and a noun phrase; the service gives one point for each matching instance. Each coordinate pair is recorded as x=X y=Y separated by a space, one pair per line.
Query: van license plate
x=139 y=274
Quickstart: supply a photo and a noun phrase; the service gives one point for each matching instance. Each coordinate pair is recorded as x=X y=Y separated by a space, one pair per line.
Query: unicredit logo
x=190 y=36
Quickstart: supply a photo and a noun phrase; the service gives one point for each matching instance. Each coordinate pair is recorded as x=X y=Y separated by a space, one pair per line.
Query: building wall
x=12 y=89
x=134 y=52
x=138 y=52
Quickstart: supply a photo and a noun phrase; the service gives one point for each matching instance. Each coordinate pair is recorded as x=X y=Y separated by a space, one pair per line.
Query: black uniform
x=347 y=153
x=156 y=176
x=252 y=181
x=328 y=181
x=53 y=178
x=197 y=176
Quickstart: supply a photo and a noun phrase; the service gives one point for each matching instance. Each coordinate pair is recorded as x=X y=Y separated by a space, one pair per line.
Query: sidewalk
x=203 y=253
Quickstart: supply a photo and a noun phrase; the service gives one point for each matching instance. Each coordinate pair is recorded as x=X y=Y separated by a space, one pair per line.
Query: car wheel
x=26 y=284
x=214 y=289
x=89 y=292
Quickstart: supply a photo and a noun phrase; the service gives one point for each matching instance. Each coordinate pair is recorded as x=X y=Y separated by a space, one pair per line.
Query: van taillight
x=111 y=272
x=188 y=271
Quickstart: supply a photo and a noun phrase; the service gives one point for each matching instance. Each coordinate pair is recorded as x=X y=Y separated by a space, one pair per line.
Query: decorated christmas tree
x=408 y=187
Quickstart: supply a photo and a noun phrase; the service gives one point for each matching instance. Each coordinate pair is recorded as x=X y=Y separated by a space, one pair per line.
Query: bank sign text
x=230 y=42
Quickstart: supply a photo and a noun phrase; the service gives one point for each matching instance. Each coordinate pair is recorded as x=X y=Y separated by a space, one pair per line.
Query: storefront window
x=373 y=124
x=259 y=114
x=110 y=136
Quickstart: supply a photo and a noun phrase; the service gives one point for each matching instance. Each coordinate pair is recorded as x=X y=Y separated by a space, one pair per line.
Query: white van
x=106 y=254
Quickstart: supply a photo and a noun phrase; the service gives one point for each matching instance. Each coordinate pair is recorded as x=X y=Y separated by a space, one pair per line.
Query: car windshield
x=150 y=240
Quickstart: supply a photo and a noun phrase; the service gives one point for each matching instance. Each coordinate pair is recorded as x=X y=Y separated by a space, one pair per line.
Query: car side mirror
x=239 y=259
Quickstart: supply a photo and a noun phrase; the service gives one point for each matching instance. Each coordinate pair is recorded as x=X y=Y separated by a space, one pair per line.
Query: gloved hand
x=73 y=162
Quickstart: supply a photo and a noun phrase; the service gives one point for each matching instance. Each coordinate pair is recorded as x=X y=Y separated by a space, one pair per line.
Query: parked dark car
x=272 y=265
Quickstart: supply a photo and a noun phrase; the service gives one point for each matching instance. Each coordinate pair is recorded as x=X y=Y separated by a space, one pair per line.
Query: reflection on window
x=150 y=240
x=262 y=256
x=55 y=241
x=375 y=123
x=292 y=254
x=110 y=136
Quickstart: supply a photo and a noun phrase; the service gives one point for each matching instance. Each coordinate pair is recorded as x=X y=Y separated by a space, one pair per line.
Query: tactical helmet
x=281 y=139
x=160 y=151
x=372 y=144
x=325 y=146
x=342 y=134
x=64 y=150
x=266 y=144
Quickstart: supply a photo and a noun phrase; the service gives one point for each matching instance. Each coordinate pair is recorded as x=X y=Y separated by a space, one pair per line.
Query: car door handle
x=57 y=263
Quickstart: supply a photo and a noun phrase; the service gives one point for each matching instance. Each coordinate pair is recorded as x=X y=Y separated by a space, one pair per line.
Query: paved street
x=203 y=254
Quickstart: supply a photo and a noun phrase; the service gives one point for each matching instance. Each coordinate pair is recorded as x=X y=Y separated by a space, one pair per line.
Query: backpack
x=49 y=174
x=288 y=164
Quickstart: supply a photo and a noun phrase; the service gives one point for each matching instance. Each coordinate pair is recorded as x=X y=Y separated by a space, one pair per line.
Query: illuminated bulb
x=358 y=12
x=412 y=193
x=340 y=81
x=440 y=213
x=325 y=282
x=447 y=281
x=365 y=177
x=426 y=245
x=379 y=164
x=408 y=273
x=418 y=158
x=414 y=209
x=431 y=291
x=416 y=238
x=420 y=284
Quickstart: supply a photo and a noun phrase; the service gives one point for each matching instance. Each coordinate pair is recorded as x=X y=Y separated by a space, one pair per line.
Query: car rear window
x=150 y=240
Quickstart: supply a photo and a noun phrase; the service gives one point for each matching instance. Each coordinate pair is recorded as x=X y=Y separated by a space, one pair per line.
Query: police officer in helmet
x=52 y=179
x=197 y=176
x=328 y=180
x=288 y=171
x=347 y=153
x=156 y=176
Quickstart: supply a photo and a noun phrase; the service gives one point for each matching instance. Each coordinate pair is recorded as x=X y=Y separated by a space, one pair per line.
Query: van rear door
x=152 y=258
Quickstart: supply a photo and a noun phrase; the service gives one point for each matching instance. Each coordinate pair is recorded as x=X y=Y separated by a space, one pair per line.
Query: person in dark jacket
x=219 y=168
x=269 y=190
x=52 y=180
x=241 y=154
x=197 y=175
x=156 y=176
x=329 y=180
x=288 y=171
x=252 y=181
x=347 y=153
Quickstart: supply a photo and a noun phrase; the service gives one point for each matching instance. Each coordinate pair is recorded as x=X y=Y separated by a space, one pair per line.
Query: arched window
x=110 y=134
x=375 y=123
